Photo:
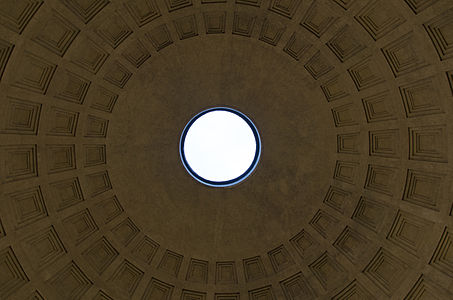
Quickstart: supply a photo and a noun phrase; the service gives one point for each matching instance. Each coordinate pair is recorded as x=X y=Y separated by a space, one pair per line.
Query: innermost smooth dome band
x=220 y=147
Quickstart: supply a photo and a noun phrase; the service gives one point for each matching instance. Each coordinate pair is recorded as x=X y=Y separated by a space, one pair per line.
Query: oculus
x=220 y=147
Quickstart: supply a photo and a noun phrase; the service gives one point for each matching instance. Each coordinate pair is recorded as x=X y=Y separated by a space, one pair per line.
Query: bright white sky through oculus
x=219 y=146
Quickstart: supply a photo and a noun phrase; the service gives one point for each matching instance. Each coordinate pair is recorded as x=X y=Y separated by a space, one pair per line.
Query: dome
x=351 y=196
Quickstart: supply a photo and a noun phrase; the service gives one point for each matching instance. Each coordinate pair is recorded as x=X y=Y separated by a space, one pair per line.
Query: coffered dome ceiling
x=350 y=199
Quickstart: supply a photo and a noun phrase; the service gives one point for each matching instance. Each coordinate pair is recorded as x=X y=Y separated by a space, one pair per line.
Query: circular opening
x=220 y=147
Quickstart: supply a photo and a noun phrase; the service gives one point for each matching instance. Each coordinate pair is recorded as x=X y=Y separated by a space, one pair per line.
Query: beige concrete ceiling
x=351 y=197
